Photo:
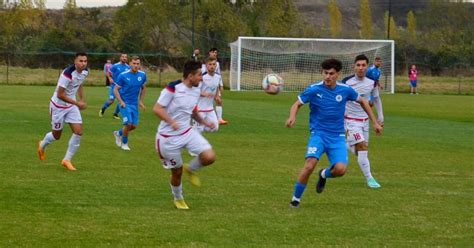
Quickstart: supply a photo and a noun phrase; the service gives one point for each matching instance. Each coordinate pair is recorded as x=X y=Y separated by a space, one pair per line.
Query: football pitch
x=424 y=162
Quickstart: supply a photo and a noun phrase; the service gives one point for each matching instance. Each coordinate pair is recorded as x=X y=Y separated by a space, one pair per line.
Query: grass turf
x=117 y=198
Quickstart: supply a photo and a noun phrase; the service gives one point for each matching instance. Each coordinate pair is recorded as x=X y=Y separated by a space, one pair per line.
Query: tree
x=335 y=19
x=365 y=20
x=393 y=27
x=411 y=26
x=70 y=4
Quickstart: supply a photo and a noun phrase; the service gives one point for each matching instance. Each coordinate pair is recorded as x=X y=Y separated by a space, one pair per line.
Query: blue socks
x=106 y=105
x=327 y=173
x=124 y=139
x=117 y=109
x=120 y=132
x=299 y=189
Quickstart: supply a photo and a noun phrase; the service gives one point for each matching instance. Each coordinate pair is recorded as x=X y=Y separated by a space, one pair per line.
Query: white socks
x=362 y=158
x=195 y=164
x=48 y=139
x=177 y=191
x=219 y=112
x=74 y=144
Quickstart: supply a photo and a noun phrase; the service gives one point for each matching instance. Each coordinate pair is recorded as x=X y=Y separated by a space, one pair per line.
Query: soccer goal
x=298 y=60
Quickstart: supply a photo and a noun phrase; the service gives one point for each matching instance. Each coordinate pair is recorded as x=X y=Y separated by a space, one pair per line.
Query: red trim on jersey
x=60 y=106
x=158 y=148
x=167 y=135
x=355 y=119
x=69 y=76
x=170 y=89
x=206 y=111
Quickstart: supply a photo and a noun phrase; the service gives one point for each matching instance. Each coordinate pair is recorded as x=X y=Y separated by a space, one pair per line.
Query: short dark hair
x=191 y=67
x=80 y=54
x=377 y=58
x=361 y=57
x=213 y=49
x=329 y=64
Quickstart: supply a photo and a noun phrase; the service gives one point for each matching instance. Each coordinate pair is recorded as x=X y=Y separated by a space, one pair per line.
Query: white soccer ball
x=272 y=84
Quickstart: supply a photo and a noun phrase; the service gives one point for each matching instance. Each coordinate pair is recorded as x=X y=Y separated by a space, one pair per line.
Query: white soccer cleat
x=118 y=139
x=125 y=147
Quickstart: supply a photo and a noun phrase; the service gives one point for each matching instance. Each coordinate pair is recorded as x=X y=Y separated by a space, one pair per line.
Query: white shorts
x=61 y=115
x=209 y=116
x=169 y=147
x=357 y=131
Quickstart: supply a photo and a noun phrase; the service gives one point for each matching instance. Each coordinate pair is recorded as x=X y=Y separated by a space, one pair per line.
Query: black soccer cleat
x=321 y=183
x=294 y=204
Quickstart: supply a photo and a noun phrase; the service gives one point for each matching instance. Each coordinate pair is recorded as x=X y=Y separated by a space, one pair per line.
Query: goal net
x=298 y=60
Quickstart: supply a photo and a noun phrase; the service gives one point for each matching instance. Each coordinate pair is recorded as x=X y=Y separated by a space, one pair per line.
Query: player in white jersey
x=175 y=107
x=213 y=53
x=357 y=120
x=65 y=108
x=209 y=90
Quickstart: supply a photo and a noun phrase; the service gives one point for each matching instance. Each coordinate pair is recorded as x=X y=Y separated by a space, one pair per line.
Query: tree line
x=438 y=35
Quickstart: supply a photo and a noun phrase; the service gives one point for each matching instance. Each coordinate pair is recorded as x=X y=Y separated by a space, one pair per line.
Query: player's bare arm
x=62 y=95
x=117 y=95
x=160 y=111
x=109 y=76
x=142 y=97
x=82 y=100
x=195 y=115
x=293 y=111
x=365 y=105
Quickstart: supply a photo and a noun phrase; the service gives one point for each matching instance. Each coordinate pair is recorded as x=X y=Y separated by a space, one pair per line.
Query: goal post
x=298 y=60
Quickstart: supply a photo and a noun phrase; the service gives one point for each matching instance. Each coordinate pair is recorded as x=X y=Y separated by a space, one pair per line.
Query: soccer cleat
x=181 y=204
x=372 y=183
x=321 y=183
x=193 y=178
x=223 y=122
x=101 y=113
x=125 y=147
x=67 y=164
x=116 y=117
x=294 y=204
x=41 y=151
x=118 y=139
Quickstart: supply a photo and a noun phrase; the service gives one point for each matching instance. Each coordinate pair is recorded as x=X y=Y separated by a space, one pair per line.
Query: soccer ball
x=272 y=84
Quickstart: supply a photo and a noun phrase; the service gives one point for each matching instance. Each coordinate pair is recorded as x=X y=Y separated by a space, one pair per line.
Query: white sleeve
x=165 y=98
x=63 y=81
x=378 y=105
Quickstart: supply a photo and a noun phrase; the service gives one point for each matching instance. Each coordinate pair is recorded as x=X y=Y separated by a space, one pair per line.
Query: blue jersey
x=118 y=68
x=130 y=86
x=373 y=73
x=327 y=106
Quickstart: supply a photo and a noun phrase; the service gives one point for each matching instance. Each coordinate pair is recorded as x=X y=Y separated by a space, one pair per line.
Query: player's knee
x=339 y=170
x=362 y=146
x=207 y=157
x=57 y=134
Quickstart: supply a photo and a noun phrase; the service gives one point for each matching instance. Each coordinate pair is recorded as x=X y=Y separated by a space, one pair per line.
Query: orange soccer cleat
x=223 y=122
x=41 y=151
x=68 y=165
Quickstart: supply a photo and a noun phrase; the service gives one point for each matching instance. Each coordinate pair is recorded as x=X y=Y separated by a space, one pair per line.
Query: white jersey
x=179 y=101
x=70 y=80
x=209 y=84
x=218 y=71
x=366 y=89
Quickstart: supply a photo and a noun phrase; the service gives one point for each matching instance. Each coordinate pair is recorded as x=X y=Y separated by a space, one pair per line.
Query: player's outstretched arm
x=160 y=111
x=293 y=112
x=379 y=108
x=365 y=105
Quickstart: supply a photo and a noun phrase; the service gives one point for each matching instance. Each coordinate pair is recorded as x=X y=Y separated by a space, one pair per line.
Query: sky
x=58 y=4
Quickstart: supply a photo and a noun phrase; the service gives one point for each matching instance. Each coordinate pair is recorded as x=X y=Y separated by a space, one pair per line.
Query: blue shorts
x=111 y=92
x=333 y=145
x=413 y=83
x=130 y=114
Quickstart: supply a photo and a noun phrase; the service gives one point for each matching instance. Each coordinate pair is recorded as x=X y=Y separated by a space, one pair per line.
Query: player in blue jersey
x=374 y=73
x=129 y=90
x=115 y=71
x=327 y=102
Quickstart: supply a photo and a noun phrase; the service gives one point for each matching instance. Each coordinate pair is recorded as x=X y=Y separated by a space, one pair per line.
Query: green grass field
x=116 y=198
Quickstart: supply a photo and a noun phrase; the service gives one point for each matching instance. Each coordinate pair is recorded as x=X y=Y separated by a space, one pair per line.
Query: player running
x=115 y=72
x=327 y=101
x=130 y=91
x=209 y=90
x=175 y=107
x=64 y=108
x=357 y=120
